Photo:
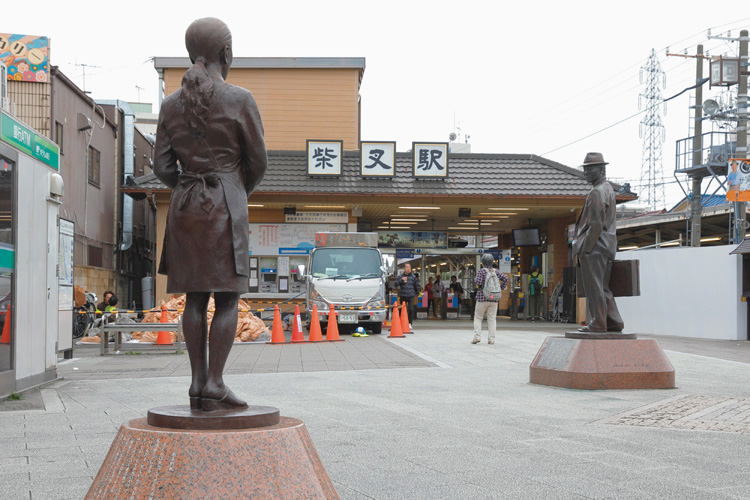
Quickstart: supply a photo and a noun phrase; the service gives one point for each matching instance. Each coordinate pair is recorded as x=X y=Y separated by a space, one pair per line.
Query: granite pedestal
x=612 y=361
x=264 y=463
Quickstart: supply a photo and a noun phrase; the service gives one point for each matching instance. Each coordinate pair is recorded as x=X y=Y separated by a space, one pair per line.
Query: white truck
x=346 y=271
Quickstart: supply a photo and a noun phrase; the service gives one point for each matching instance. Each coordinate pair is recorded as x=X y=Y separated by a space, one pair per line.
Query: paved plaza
x=429 y=416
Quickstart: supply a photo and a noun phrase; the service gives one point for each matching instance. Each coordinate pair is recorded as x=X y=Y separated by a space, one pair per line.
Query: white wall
x=35 y=339
x=687 y=292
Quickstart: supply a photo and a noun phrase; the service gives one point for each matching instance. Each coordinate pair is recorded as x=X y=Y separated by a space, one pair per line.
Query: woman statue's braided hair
x=205 y=40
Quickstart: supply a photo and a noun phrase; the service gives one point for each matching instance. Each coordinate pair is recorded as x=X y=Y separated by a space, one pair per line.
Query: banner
x=738 y=180
x=412 y=239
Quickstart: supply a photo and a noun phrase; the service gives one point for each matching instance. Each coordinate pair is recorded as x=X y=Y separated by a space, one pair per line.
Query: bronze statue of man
x=595 y=246
x=211 y=151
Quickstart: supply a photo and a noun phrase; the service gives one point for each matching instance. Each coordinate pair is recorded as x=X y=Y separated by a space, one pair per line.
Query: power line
x=564 y=107
x=626 y=119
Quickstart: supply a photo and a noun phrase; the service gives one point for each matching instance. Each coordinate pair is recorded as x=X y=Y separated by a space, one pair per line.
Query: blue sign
x=404 y=253
x=294 y=251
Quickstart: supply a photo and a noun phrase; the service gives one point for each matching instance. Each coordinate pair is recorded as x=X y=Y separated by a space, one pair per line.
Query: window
x=94 y=160
x=95 y=256
x=59 y=135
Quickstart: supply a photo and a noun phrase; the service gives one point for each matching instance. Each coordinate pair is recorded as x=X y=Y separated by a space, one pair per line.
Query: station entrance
x=457 y=297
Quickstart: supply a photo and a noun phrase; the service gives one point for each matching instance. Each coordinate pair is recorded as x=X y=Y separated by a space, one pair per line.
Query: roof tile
x=468 y=175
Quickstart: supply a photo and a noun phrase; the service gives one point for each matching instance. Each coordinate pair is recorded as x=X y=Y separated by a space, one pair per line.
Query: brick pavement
x=700 y=413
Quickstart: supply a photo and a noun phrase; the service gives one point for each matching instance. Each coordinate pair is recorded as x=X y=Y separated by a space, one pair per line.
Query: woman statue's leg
x=216 y=395
x=195 y=330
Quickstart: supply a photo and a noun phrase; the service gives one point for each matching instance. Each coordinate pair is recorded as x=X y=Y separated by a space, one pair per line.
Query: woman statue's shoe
x=228 y=402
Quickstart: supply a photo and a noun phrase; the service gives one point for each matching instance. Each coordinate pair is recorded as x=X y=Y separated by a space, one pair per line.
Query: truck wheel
x=377 y=328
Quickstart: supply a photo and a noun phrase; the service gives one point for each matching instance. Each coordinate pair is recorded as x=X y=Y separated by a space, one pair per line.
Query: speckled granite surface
x=274 y=462
x=602 y=364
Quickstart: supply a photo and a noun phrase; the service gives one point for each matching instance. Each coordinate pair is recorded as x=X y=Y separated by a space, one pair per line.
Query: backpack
x=491 y=285
x=534 y=285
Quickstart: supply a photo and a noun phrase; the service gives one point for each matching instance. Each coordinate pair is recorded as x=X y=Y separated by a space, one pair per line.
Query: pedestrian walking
x=490 y=282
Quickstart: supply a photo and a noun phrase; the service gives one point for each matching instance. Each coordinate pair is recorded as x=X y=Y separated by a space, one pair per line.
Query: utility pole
x=696 y=202
x=740 y=216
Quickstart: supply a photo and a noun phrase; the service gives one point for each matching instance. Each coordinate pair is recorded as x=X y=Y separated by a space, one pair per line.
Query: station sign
x=324 y=158
x=377 y=159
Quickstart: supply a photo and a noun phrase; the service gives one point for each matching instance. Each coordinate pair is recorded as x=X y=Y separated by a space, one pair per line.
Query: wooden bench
x=138 y=327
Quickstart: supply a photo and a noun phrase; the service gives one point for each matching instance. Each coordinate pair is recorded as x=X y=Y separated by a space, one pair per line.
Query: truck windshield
x=345 y=262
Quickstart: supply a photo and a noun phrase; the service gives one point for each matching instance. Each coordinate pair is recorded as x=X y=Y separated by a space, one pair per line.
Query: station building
x=441 y=222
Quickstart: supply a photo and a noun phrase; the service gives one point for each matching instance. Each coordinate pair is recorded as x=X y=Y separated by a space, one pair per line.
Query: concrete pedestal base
x=272 y=462
x=602 y=364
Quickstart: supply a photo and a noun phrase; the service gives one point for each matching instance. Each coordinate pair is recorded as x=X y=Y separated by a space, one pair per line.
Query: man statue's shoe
x=616 y=328
x=588 y=329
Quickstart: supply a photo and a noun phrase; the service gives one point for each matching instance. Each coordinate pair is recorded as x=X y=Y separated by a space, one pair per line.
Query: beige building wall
x=30 y=101
x=297 y=104
x=97 y=280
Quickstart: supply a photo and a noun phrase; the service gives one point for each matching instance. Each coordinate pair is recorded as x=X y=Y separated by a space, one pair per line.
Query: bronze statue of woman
x=211 y=151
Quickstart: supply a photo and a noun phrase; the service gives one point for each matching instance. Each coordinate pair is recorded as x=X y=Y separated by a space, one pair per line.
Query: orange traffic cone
x=6 y=328
x=277 y=332
x=396 y=331
x=332 y=332
x=316 y=335
x=297 y=335
x=164 y=338
x=405 y=319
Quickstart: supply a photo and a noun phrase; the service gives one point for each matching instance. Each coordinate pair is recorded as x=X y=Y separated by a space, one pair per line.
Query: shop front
x=30 y=188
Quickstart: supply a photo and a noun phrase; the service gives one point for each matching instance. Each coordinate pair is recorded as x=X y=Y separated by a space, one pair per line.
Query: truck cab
x=345 y=271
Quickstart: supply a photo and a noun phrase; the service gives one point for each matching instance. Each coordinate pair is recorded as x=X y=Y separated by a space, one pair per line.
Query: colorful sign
x=412 y=239
x=738 y=180
x=26 y=57
x=27 y=140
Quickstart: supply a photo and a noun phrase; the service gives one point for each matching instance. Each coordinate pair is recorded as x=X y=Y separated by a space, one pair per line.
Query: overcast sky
x=517 y=77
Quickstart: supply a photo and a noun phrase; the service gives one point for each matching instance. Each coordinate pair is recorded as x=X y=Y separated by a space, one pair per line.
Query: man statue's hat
x=593 y=159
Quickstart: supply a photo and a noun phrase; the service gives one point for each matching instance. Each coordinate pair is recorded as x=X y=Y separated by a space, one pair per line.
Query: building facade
x=441 y=224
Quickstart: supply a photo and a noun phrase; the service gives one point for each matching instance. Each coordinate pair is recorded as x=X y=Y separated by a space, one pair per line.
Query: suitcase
x=624 y=281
